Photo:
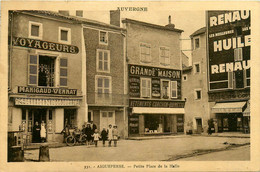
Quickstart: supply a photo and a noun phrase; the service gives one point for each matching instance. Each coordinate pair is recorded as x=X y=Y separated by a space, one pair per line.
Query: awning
x=233 y=107
x=247 y=110
x=142 y=110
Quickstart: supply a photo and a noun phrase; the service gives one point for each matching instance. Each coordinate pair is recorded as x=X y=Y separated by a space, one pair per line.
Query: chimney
x=115 y=17
x=64 y=12
x=170 y=25
x=79 y=13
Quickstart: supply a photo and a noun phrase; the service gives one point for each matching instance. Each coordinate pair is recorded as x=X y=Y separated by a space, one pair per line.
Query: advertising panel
x=229 y=43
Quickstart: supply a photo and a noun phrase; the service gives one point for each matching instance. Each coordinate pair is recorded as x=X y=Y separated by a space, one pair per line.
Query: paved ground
x=140 y=150
x=235 y=154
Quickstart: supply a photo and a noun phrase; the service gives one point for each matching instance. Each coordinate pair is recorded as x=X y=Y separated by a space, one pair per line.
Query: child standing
x=96 y=137
x=110 y=134
x=104 y=136
x=115 y=135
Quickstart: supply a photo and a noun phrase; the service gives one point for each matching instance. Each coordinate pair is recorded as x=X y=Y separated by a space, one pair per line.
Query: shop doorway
x=70 y=117
x=40 y=115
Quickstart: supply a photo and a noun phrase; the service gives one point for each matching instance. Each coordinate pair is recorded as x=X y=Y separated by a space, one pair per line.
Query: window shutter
x=148 y=88
x=230 y=79
x=245 y=79
x=33 y=70
x=63 y=72
x=174 y=89
x=240 y=55
x=143 y=88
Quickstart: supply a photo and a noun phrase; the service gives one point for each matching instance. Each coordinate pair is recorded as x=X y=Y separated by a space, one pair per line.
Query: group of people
x=110 y=134
x=39 y=132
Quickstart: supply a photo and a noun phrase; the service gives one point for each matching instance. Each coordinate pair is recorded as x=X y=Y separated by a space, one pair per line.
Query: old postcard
x=125 y=86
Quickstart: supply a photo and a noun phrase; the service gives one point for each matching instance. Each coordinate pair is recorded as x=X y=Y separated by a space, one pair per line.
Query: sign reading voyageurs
x=229 y=43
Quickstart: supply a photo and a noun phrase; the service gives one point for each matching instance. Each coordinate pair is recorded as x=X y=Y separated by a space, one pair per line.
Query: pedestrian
x=88 y=133
x=36 y=136
x=104 y=136
x=115 y=135
x=93 y=128
x=96 y=137
x=43 y=132
x=110 y=134
x=65 y=130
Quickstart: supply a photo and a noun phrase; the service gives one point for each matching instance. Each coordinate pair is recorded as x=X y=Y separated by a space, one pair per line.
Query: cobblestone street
x=168 y=149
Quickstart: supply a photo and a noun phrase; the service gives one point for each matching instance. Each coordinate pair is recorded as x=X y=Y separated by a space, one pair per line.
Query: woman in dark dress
x=36 y=133
x=88 y=132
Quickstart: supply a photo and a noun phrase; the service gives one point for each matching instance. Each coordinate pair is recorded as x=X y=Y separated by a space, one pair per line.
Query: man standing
x=93 y=127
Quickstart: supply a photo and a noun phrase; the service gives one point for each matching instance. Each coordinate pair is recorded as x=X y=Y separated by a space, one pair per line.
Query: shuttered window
x=63 y=72
x=145 y=87
x=238 y=55
x=32 y=67
x=103 y=61
x=174 y=89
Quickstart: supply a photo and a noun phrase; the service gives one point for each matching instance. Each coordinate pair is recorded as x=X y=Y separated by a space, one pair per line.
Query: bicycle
x=76 y=137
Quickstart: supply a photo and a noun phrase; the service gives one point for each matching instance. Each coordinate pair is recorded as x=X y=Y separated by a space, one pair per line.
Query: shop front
x=47 y=113
x=232 y=116
x=168 y=119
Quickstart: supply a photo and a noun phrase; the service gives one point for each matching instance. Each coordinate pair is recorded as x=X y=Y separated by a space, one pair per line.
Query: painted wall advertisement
x=229 y=43
x=136 y=72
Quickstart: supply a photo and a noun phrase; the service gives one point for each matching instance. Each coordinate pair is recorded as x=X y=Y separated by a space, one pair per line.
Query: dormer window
x=103 y=37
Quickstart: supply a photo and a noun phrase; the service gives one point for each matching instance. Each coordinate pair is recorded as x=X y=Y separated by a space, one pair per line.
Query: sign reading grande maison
x=44 y=45
x=137 y=70
x=36 y=90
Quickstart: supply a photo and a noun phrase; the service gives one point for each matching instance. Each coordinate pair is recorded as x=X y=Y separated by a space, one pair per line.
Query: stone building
x=45 y=73
x=154 y=78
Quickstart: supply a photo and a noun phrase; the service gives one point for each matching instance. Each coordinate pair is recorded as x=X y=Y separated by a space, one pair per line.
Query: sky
x=189 y=21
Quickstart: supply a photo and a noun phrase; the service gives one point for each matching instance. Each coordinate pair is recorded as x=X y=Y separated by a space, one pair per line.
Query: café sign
x=46 y=102
x=44 y=45
x=36 y=90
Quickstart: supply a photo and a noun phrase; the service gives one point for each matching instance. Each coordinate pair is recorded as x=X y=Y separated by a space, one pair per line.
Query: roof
x=126 y=20
x=198 y=32
x=76 y=19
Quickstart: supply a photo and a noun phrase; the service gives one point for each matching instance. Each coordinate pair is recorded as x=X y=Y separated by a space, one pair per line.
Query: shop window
x=35 y=30
x=106 y=118
x=239 y=79
x=103 y=37
x=70 y=117
x=173 y=89
x=165 y=56
x=90 y=116
x=50 y=114
x=103 y=61
x=46 y=71
x=165 y=86
x=196 y=43
x=238 y=55
x=64 y=35
x=196 y=68
x=103 y=84
x=145 y=87
x=153 y=123
x=198 y=94
x=23 y=114
x=145 y=52
x=63 y=72
x=30 y=117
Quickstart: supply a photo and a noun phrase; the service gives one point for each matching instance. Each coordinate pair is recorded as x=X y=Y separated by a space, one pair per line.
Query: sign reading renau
x=229 y=42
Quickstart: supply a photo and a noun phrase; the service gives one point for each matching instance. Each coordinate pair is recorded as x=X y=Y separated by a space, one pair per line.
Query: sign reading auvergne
x=44 y=45
x=37 y=90
x=229 y=42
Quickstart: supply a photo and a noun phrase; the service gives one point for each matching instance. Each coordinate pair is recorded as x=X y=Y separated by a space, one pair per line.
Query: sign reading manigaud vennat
x=229 y=43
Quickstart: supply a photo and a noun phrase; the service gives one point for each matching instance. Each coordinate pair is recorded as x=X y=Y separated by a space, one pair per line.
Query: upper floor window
x=198 y=94
x=238 y=55
x=145 y=52
x=103 y=37
x=35 y=30
x=103 y=84
x=196 y=68
x=169 y=89
x=65 y=35
x=103 y=61
x=185 y=77
x=145 y=87
x=196 y=42
x=165 y=56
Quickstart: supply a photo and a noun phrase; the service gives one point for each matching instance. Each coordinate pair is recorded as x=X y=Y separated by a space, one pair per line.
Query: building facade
x=229 y=40
x=194 y=85
x=154 y=78
x=105 y=66
x=45 y=73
